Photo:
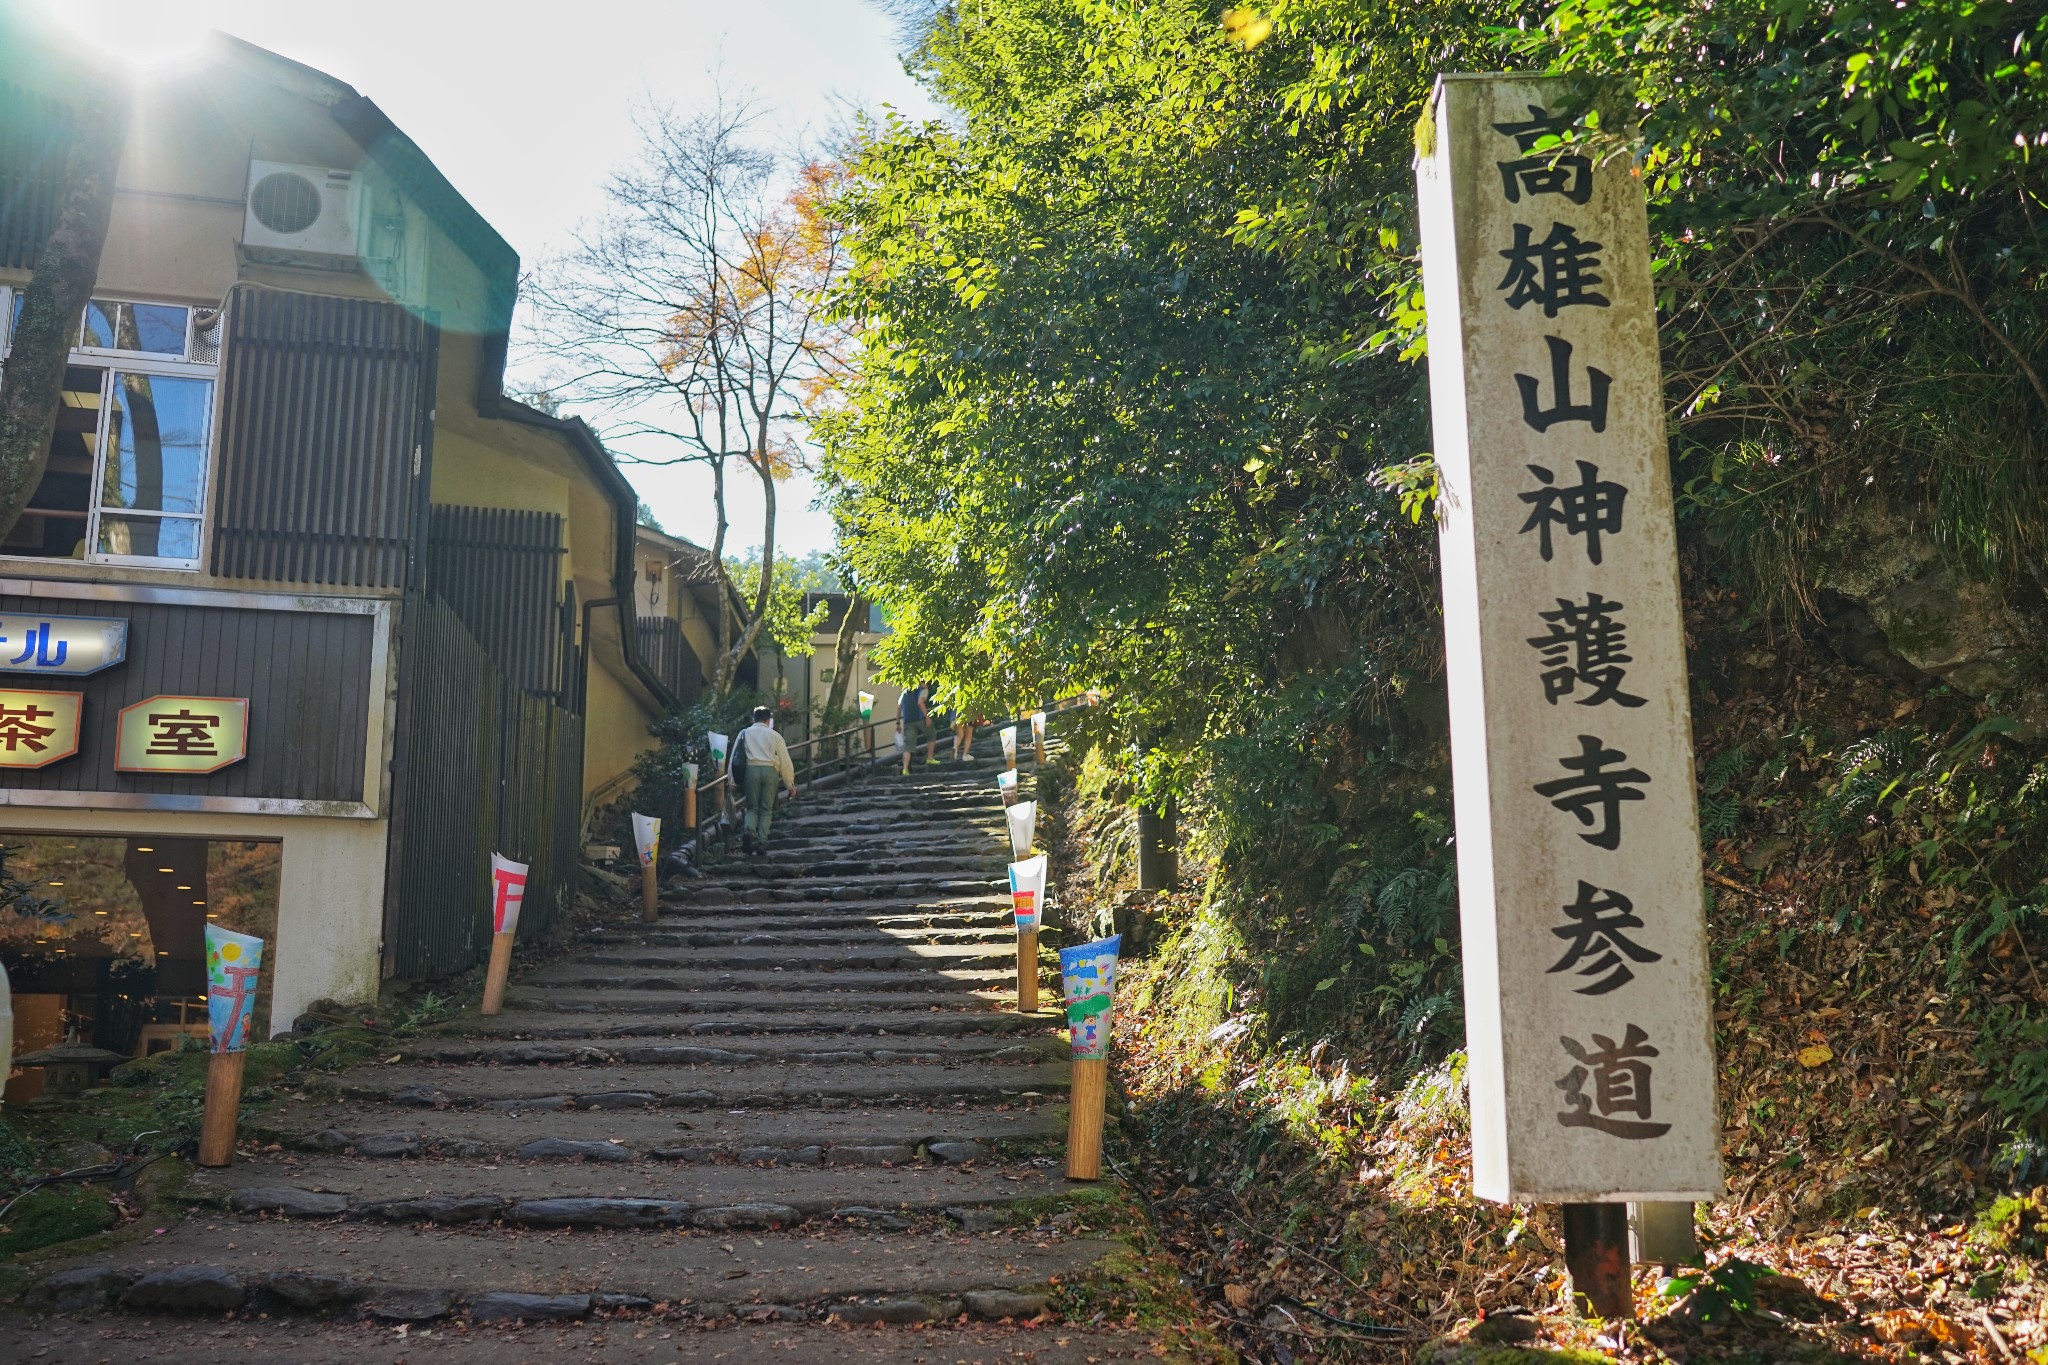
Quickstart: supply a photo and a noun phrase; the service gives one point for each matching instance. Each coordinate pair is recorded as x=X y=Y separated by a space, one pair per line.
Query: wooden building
x=362 y=618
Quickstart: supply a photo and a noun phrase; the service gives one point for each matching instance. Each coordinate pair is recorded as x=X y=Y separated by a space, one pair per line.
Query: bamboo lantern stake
x=1038 y=737
x=1027 y=971
x=233 y=962
x=508 y=891
x=689 y=798
x=647 y=845
x=1086 y=1099
x=1088 y=973
x=1027 y=901
x=223 y=1108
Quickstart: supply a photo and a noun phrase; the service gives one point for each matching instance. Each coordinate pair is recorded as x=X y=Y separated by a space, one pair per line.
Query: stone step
x=303 y=1123
x=530 y=1089
x=707 y=1272
x=471 y=1191
x=915 y=889
x=790 y=996
x=745 y=1333
x=682 y=914
x=743 y=1021
x=595 y=1051
x=814 y=956
x=995 y=926
x=682 y=982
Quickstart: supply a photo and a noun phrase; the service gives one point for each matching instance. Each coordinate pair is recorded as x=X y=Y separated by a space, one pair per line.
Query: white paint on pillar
x=1589 y=1037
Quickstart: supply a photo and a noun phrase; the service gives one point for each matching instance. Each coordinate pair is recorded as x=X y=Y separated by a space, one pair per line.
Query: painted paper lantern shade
x=646 y=837
x=1088 y=972
x=508 y=893
x=717 y=744
x=867 y=706
x=1023 y=818
x=1027 y=892
x=232 y=964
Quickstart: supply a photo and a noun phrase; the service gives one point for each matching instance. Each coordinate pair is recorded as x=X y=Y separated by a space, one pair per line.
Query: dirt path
x=798 y=1119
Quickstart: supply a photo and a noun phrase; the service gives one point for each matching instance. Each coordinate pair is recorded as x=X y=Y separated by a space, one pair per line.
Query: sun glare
x=137 y=35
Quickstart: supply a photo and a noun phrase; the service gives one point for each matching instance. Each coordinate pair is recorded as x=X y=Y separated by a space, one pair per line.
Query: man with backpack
x=759 y=759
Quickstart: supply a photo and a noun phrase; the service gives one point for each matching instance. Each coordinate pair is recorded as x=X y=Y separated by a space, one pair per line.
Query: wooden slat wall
x=35 y=139
x=482 y=766
x=501 y=572
x=306 y=674
x=325 y=440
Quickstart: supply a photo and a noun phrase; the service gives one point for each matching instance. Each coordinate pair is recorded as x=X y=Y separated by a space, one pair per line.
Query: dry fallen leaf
x=1820 y=1054
x=1238 y=1296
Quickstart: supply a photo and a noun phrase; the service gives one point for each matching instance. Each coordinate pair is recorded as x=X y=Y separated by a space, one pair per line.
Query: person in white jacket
x=766 y=762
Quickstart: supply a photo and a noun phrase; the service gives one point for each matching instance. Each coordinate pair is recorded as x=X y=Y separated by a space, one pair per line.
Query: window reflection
x=147 y=328
x=156 y=443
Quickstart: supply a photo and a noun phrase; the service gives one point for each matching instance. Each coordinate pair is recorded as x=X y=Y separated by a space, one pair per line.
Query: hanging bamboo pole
x=223 y=1108
x=1085 y=1099
x=1027 y=971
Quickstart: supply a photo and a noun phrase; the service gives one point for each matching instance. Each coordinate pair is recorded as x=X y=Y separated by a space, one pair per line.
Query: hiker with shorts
x=762 y=759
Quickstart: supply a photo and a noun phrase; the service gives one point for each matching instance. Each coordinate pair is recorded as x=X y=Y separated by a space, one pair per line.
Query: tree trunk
x=843 y=649
x=56 y=296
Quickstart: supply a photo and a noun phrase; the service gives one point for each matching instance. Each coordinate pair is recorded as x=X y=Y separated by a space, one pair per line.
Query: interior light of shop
x=199 y=902
x=56 y=883
x=139 y=848
x=184 y=888
x=99 y=912
x=167 y=869
x=213 y=914
x=135 y=933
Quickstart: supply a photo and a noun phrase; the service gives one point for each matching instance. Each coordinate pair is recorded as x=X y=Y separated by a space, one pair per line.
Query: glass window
x=144 y=328
x=127 y=472
x=156 y=443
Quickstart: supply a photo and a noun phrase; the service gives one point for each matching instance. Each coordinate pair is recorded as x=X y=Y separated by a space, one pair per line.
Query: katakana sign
x=69 y=645
x=1589 y=1039
x=38 y=728
x=182 y=735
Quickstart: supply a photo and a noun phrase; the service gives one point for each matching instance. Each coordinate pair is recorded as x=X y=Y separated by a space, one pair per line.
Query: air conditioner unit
x=308 y=209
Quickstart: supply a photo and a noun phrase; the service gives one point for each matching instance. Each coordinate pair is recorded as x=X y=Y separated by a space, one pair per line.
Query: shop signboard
x=72 y=646
x=38 y=728
x=182 y=735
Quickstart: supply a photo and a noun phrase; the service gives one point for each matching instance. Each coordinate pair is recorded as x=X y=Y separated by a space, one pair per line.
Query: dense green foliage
x=1137 y=406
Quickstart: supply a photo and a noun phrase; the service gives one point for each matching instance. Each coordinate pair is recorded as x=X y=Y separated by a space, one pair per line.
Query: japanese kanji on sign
x=38 y=728
x=182 y=735
x=1589 y=1040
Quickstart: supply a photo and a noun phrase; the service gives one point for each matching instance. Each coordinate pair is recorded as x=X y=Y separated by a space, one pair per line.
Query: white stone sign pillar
x=1589 y=1033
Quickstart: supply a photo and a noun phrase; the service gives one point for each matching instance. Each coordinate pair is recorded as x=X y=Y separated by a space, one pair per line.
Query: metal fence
x=481 y=766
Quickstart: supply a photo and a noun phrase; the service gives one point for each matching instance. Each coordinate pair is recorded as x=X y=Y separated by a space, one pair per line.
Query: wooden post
x=1038 y=747
x=1596 y=1255
x=650 y=907
x=1027 y=971
x=494 y=975
x=1084 y=1118
x=223 y=1107
x=690 y=808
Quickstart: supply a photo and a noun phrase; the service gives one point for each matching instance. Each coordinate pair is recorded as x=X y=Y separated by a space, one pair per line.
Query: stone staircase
x=801 y=1102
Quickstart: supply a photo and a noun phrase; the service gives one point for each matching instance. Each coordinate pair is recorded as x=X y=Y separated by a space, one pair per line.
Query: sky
x=526 y=107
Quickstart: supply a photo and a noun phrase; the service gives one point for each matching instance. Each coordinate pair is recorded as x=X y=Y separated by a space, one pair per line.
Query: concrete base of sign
x=330 y=894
